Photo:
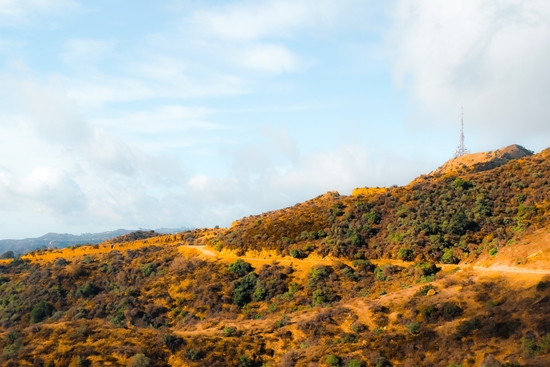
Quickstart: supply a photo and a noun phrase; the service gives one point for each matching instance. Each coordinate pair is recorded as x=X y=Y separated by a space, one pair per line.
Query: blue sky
x=135 y=114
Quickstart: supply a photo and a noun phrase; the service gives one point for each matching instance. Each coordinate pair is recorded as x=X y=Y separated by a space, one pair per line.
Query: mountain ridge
x=52 y=239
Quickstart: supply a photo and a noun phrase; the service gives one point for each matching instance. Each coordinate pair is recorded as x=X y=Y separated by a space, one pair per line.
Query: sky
x=146 y=114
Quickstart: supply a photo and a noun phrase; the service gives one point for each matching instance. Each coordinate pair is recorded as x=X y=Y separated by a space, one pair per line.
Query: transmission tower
x=461 y=149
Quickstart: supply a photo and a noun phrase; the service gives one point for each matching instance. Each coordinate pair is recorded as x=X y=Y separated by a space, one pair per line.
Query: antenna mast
x=461 y=149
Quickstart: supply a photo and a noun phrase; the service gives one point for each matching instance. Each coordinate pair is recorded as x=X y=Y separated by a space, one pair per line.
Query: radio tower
x=461 y=149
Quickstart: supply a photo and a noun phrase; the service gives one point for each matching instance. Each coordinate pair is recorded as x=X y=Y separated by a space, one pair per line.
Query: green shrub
x=463 y=184
x=10 y=351
x=41 y=311
x=427 y=278
x=413 y=327
x=357 y=327
x=283 y=321
x=449 y=257
x=405 y=254
x=242 y=294
x=372 y=217
x=147 y=269
x=86 y=290
x=319 y=272
x=139 y=360
x=379 y=272
x=427 y=268
x=287 y=240
x=61 y=262
x=193 y=355
x=493 y=252
x=395 y=237
x=531 y=348
x=356 y=363
x=333 y=360
x=424 y=290
x=240 y=267
x=364 y=292
x=451 y=311
x=297 y=254
x=229 y=331
x=466 y=328
x=245 y=361
x=318 y=297
x=363 y=265
x=346 y=339
x=349 y=273
x=171 y=341
x=429 y=311
x=459 y=223
x=12 y=336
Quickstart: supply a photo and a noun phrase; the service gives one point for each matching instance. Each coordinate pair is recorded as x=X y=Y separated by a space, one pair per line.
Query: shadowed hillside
x=451 y=270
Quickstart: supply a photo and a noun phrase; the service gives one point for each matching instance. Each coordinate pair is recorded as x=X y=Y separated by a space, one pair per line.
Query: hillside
x=451 y=270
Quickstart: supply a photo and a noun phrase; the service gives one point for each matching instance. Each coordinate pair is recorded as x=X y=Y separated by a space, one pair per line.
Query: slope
x=337 y=280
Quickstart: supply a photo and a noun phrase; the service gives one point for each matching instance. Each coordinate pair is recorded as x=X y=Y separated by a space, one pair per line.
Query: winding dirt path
x=508 y=269
x=444 y=267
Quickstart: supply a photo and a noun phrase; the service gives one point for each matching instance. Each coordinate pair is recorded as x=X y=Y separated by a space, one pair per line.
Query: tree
x=7 y=255
x=240 y=267
x=41 y=311
x=459 y=223
x=449 y=257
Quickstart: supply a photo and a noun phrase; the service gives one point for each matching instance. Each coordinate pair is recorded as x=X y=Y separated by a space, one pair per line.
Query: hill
x=60 y=240
x=450 y=270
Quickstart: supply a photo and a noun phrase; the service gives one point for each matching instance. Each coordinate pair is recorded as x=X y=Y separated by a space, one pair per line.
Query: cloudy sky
x=128 y=114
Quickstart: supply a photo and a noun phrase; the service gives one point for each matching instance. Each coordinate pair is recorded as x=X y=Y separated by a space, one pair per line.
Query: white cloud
x=273 y=174
x=78 y=172
x=54 y=118
x=272 y=58
x=490 y=56
x=85 y=51
x=249 y=21
x=16 y=12
x=53 y=190
x=164 y=119
x=256 y=35
x=97 y=88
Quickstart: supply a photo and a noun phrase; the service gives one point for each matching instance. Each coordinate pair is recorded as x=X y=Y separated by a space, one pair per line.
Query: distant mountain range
x=64 y=239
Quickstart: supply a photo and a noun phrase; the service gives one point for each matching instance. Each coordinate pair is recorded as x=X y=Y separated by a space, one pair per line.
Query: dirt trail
x=508 y=269
x=257 y=260
x=444 y=267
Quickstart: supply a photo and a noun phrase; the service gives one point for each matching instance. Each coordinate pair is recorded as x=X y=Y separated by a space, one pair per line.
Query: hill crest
x=478 y=162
